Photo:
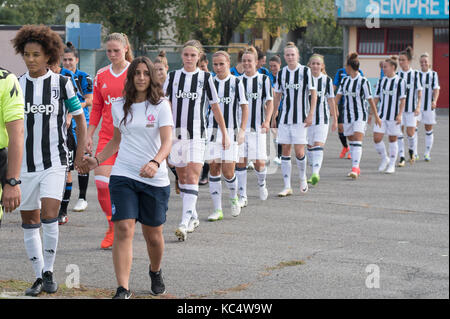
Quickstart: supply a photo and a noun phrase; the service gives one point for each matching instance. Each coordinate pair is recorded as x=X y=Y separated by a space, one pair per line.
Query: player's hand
x=241 y=137
x=149 y=170
x=378 y=121
x=433 y=105
x=265 y=127
x=334 y=126
x=81 y=165
x=398 y=119
x=225 y=142
x=89 y=144
x=91 y=162
x=11 y=197
x=417 y=111
x=309 y=120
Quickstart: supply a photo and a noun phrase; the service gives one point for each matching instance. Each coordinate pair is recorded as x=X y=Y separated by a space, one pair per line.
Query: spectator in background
x=261 y=63
x=238 y=70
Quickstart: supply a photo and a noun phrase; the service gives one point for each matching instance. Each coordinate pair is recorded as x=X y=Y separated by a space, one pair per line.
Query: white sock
x=194 y=214
x=33 y=247
x=189 y=203
x=301 y=164
x=416 y=141
x=241 y=175
x=411 y=141
x=215 y=189
x=317 y=159
x=356 y=153
x=261 y=177
x=393 y=151
x=50 y=235
x=350 y=146
x=381 y=149
x=232 y=186
x=401 y=146
x=286 y=169
x=309 y=157
x=429 y=139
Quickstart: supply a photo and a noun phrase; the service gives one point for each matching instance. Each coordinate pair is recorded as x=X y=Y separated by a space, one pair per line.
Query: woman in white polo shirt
x=139 y=183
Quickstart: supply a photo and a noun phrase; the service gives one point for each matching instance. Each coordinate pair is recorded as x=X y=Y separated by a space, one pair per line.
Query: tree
x=33 y=11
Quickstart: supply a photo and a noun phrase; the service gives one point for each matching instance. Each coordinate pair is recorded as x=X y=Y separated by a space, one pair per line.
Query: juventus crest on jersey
x=295 y=86
x=189 y=92
x=429 y=82
x=324 y=86
x=45 y=120
x=258 y=90
x=231 y=95
x=413 y=86
x=390 y=91
x=356 y=90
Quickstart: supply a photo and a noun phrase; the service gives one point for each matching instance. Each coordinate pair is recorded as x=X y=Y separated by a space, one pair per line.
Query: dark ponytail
x=353 y=61
x=71 y=49
x=408 y=52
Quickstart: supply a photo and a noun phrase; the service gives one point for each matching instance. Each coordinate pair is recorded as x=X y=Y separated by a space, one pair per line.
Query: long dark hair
x=154 y=91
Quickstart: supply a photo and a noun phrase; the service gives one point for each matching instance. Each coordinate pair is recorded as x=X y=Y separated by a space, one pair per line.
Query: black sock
x=66 y=198
x=174 y=171
x=83 y=181
x=205 y=171
x=280 y=150
x=343 y=140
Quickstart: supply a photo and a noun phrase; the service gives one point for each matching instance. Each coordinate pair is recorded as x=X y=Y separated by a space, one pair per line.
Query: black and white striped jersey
x=390 y=91
x=258 y=90
x=430 y=82
x=48 y=99
x=325 y=91
x=231 y=94
x=355 y=90
x=413 y=86
x=190 y=93
x=295 y=85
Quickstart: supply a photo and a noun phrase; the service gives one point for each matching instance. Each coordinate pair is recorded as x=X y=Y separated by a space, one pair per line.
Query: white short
x=187 y=151
x=290 y=134
x=49 y=183
x=389 y=128
x=357 y=126
x=429 y=117
x=409 y=119
x=215 y=151
x=254 y=147
x=317 y=133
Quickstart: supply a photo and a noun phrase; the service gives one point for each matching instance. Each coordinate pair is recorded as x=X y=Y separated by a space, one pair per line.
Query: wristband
x=153 y=161
x=98 y=163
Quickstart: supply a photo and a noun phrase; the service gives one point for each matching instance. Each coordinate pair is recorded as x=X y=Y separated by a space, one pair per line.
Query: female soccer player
x=48 y=99
x=318 y=131
x=231 y=94
x=391 y=93
x=190 y=89
x=430 y=95
x=275 y=66
x=85 y=90
x=139 y=183
x=356 y=89
x=238 y=70
x=295 y=82
x=108 y=87
x=260 y=100
x=412 y=105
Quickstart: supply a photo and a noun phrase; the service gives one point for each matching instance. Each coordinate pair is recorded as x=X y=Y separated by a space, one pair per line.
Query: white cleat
x=286 y=192
x=250 y=166
x=243 y=202
x=390 y=169
x=193 y=224
x=80 y=206
x=384 y=164
x=304 y=186
x=181 y=232
x=235 y=207
x=263 y=193
x=217 y=215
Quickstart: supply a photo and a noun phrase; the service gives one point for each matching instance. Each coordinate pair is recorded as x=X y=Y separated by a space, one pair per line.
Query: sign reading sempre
x=394 y=9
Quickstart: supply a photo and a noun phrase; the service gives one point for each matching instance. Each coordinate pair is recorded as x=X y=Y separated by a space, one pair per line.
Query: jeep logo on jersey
x=387 y=92
x=186 y=95
x=225 y=100
x=111 y=99
x=41 y=108
x=290 y=86
x=253 y=96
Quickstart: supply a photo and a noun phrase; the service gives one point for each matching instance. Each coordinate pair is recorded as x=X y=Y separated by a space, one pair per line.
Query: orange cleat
x=107 y=242
x=349 y=155
x=344 y=151
x=355 y=173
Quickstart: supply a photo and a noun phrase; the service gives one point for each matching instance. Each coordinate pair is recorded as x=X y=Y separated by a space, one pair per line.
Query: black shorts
x=72 y=147
x=142 y=202
x=3 y=165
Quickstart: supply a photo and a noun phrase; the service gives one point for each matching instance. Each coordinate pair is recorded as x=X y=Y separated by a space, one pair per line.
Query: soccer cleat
x=390 y=169
x=384 y=164
x=286 y=192
x=81 y=205
x=315 y=178
x=108 y=241
x=402 y=162
x=243 y=202
x=427 y=158
x=344 y=151
x=250 y=166
x=277 y=160
x=412 y=158
x=62 y=218
x=303 y=186
x=181 y=232
x=217 y=215
x=157 y=287
x=122 y=293
x=309 y=181
x=263 y=192
x=355 y=173
x=48 y=284
x=349 y=156
x=177 y=188
x=416 y=157
x=193 y=224
x=36 y=289
x=235 y=207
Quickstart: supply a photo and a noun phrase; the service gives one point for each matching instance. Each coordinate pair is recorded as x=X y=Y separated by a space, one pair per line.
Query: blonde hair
x=393 y=60
x=321 y=58
x=161 y=58
x=122 y=38
x=251 y=50
x=195 y=44
x=291 y=45
x=425 y=55
x=222 y=53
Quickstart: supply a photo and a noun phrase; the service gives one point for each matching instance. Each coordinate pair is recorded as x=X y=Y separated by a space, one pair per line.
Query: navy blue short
x=132 y=199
